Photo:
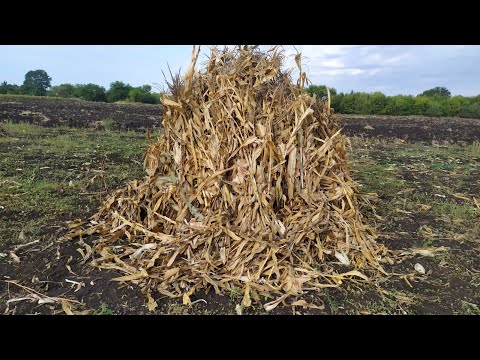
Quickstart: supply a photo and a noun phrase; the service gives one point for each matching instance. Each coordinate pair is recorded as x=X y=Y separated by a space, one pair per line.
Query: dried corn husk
x=248 y=187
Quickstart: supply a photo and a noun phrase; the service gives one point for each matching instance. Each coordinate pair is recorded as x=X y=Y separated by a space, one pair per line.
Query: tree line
x=38 y=83
x=433 y=102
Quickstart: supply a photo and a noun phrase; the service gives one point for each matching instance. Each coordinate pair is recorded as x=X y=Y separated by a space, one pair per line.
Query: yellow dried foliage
x=249 y=186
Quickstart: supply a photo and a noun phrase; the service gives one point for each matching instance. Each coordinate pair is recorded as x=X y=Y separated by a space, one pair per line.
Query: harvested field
x=425 y=203
x=139 y=117
x=47 y=111
x=250 y=196
x=413 y=128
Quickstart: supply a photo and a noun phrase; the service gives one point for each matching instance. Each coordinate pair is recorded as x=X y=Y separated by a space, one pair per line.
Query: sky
x=391 y=69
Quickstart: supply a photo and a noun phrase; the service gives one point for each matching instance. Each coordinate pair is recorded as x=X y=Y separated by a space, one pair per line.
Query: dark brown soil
x=412 y=128
x=451 y=285
x=78 y=113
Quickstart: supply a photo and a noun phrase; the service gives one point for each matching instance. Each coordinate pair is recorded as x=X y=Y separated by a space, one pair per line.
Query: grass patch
x=107 y=124
x=377 y=179
x=104 y=310
x=235 y=293
x=49 y=175
x=22 y=129
x=454 y=211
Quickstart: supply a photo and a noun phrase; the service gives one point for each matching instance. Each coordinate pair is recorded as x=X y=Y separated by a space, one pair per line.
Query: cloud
x=394 y=69
x=333 y=63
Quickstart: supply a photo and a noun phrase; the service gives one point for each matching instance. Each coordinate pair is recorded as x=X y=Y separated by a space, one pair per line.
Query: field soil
x=423 y=187
x=412 y=128
x=130 y=116
x=50 y=112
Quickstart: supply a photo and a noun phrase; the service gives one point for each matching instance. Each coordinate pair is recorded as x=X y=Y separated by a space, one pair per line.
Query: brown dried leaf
x=152 y=304
x=14 y=257
x=66 y=307
x=424 y=207
x=303 y=303
x=171 y=272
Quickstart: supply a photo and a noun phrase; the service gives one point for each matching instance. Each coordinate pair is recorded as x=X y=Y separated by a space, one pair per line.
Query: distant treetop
x=36 y=83
x=437 y=91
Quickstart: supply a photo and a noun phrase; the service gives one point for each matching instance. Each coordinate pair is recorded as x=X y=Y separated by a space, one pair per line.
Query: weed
x=22 y=129
x=235 y=292
x=331 y=302
x=107 y=124
x=427 y=243
x=104 y=310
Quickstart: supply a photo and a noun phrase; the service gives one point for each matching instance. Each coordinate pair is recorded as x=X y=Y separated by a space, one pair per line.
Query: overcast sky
x=391 y=69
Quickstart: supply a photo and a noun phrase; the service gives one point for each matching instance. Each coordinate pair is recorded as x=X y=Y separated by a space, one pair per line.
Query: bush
x=421 y=105
x=437 y=91
x=118 y=91
x=433 y=109
x=90 y=92
x=377 y=102
x=433 y=102
x=471 y=111
x=142 y=94
x=12 y=89
x=320 y=90
x=62 y=90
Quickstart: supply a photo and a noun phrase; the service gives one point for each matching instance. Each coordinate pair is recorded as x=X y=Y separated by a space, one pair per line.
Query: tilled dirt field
x=427 y=211
x=77 y=113
x=413 y=128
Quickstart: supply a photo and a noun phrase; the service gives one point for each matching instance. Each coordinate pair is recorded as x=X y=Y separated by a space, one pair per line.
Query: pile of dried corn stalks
x=248 y=187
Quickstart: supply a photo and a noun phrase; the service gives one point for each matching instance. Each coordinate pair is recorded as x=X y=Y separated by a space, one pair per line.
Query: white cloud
x=392 y=69
x=334 y=63
x=398 y=59
x=336 y=72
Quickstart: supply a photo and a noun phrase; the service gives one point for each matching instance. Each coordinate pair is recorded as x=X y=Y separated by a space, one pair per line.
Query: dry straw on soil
x=249 y=187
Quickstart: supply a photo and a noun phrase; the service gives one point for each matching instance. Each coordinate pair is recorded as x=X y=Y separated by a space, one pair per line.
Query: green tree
x=454 y=105
x=361 y=103
x=90 y=92
x=421 y=104
x=433 y=109
x=439 y=90
x=320 y=90
x=377 y=102
x=336 y=101
x=6 y=88
x=143 y=94
x=36 y=83
x=471 y=111
x=390 y=107
x=347 y=105
x=62 y=90
x=118 y=91
x=405 y=105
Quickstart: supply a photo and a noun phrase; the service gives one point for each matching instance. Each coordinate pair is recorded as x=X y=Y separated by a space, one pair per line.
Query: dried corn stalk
x=249 y=187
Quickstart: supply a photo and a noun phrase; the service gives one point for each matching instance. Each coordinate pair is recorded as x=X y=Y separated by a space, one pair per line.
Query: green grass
x=107 y=124
x=427 y=243
x=376 y=178
x=235 y=293
x=22 y=129
x=104 y=310
x=46 y=179
x=47 y=174
x=331 y=302
x=454 y=211
x=408 y=175
x=43 y=98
